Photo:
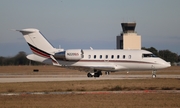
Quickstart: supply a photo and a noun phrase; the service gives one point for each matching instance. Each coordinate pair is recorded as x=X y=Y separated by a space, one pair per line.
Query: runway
x=44 y=78
x=90 y=92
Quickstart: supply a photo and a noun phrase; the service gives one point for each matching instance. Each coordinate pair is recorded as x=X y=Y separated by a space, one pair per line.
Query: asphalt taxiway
x=90 y=92
x=44 y=78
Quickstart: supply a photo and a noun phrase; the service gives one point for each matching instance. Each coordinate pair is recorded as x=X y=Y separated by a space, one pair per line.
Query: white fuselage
x=116 y=60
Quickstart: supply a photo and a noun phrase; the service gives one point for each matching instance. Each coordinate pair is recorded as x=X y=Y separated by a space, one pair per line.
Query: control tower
x=128 y=39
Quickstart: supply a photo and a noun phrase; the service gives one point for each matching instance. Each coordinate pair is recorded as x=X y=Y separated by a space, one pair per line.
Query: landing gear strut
x=107 y=72
x=153 y=73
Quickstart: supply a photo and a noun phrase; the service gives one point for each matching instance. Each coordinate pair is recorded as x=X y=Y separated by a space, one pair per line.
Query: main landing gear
x=94 y=74
x=153 y=73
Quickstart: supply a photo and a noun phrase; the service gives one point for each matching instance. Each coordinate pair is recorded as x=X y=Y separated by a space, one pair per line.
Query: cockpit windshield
x=148 y=55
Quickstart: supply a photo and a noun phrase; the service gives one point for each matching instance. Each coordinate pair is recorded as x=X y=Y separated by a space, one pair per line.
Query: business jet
x=90 y=60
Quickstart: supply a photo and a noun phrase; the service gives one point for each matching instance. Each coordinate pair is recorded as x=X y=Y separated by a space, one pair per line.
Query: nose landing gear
x=153 y=73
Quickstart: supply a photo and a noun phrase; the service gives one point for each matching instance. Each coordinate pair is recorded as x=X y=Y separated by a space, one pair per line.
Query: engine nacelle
x=75 y=54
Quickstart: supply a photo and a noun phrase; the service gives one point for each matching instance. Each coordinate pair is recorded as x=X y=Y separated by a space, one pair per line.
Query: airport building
x=128 y=39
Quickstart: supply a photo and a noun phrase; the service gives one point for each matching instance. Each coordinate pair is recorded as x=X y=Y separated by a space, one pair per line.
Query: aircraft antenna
x=91 y=48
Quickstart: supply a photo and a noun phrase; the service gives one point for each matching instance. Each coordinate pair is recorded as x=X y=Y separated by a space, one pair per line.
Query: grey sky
x=85 y=23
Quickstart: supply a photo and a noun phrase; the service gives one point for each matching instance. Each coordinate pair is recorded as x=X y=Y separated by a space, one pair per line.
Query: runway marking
x=90 y=92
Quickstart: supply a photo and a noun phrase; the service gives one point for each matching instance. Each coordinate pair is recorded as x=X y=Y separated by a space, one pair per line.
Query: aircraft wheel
x=154 y=76
x=96 y=74
x=89 y=75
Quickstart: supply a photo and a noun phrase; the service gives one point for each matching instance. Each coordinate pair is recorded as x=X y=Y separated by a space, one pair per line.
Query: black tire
x=89 y=75
x=96 y=74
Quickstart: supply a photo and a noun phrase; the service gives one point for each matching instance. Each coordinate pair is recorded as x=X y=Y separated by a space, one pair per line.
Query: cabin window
x=100 y=56
x=129 y=56
x=94 y=56
x=118 y=56
x=89 y=56
x=112 y=56
x=106 y=56
x=124 y=56
x=148 y=55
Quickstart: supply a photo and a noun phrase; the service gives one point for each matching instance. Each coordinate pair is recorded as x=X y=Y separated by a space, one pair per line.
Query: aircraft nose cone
x=168 y=64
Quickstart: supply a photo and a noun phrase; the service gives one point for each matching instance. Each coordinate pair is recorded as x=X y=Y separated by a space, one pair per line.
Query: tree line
x=167 y=55
x=20 y=58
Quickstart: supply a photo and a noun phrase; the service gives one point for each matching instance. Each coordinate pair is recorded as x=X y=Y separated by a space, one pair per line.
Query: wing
x=89 y=68
x=92 y=68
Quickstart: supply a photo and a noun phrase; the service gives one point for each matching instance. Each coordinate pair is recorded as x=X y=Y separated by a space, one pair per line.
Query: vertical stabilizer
x=37 y=42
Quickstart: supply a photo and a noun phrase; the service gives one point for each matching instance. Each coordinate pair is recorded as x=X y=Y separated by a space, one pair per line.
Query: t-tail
x=41 y=48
